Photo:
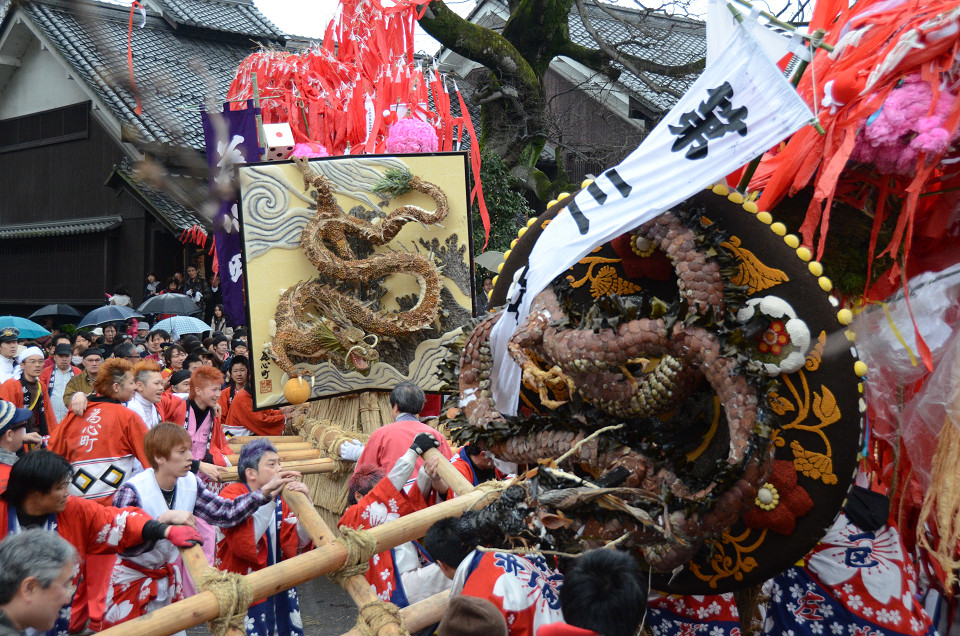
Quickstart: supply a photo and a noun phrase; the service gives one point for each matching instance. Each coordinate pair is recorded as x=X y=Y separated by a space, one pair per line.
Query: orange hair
x=204 y=376
x=111 y=372
x=162 y=440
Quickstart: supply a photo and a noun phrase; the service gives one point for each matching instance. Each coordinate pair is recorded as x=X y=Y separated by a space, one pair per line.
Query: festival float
x=687 y=379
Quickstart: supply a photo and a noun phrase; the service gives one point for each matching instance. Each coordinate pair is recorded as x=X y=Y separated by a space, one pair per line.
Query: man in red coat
x=243 y=420
x=28 y=392
x=272 y=534
x=38 y=496
x=390 y=442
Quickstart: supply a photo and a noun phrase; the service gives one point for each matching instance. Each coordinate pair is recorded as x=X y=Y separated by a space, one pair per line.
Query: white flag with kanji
x=740 y=107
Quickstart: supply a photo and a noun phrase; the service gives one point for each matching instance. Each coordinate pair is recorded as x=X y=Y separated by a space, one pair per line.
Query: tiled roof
x=59 y=228
x=231 y=16
x=663 y=39
x=92 y=37
x=175 y=216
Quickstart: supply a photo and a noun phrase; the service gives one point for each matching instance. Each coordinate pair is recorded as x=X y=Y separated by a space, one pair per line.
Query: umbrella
x=28 y=328
x=57 y=311
x=181 y=325
x=489 y=259
x=179 y=304
x=110 y=313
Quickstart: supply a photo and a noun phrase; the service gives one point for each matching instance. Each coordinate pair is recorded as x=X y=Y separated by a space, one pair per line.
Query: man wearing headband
x=28 y=392
x=8 y=354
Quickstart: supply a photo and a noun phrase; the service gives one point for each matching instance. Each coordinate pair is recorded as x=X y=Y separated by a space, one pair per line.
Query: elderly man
x=28 y=392
x=82 y=383
x=36 y=580
x=388 y=443
x=143 y=330
x=56 y=377
x=8 y=354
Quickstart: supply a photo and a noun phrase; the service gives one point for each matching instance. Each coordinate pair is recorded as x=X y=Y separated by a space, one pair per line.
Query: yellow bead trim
x=494 y=282
x=767 y=497
x=506 y=255
x=522 y=231
x=815 y=268
x=779 y=229
x=530 y=222
x=586 y=183
x=845 y=316
x=825 y=283
x=859 y=385
x=721 y=189
x=751 y=207
x=513 y=243
x=765 y=217
x=735 y=197
x=792 y=240
x=860 y=368
x=804 y=253
x=500 y=266
x=562 y=196
x=851 y=336
x=552 y=203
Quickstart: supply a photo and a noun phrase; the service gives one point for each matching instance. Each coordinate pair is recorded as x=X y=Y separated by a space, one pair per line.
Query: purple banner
x=231 y=138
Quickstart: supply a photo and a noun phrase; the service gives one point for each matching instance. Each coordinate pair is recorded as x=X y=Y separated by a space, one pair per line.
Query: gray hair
x=36 y=553
x=250 y=456
x=408 y=398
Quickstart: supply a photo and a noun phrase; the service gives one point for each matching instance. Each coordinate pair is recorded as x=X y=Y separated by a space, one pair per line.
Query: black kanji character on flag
x=714 y=118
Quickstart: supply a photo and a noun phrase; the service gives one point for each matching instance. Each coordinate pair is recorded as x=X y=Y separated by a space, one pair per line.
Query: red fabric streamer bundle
x=346 y=92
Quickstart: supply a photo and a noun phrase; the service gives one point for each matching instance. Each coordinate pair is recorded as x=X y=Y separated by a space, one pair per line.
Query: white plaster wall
x=41 y=83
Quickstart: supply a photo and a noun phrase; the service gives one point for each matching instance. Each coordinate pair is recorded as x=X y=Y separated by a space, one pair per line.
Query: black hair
x=38 y=471
x=218 y=338
x=444 y=544
x=235 y=360
x=190 y=359
x=604 y=591
x=408 y=398
x=164 y=335
x=168 y=353
x=86 y=334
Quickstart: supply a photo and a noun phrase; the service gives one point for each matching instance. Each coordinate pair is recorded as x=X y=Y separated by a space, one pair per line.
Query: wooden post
x=419 y=615
x=356 y=586
x=281 y=448
x=273 y=439
x=292 y=572
x=303 y=466
x=454 y=478
x=311 y=453
x=196 y=563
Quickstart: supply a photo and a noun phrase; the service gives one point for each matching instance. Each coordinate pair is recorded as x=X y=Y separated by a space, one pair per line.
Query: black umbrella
x=58 y=311
x=110 y=313
x=178 y=304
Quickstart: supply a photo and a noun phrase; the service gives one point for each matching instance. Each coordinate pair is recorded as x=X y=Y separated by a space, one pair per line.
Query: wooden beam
x=305 y=467
x=454 y=478
x=196 y=563
x=419 y=615
x=311 y=453
x=281 y=448
x=273 y=439
x=294 y=571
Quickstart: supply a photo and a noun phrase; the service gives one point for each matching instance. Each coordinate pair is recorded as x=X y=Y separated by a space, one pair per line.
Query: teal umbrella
x=28 y=329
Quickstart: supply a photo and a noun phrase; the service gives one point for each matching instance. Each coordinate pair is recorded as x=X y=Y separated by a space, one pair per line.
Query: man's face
x=238 y=374
x=82 y=342
x=124 y=390
x=207 y=395
x=240 y=350
x=55 y=501
x=268 y=467
x=142 y=333
x=92 y=364
x=193 y=365
x=483 y=460
x=13 y=440
x=179 y=462
x=8 y=349
x=176 y=359
x=192 y=272
x=62 y=361
x=154 y=342
x=109 y=332
x=32 y=366
x=46 y=602
x=152 y=389
x=222 y=349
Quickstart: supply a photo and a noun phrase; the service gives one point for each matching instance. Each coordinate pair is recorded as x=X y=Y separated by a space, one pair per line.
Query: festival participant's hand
x=273 y=487
x=300 y=487
x=424 y=442
x=178 y=518
x=78 y=403
x=351 y=450
x=33 y=438
x=209 y=470
x=430 y=467
x=218 y=409
x=183 y=536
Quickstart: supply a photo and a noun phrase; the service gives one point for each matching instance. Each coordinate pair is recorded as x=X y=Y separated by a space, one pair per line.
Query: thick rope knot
x=491 y=491
x=376 y=615
x=361 y=546
x=234 y=594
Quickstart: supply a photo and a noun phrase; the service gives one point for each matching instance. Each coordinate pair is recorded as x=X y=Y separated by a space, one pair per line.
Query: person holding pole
x=269 y=536
x=146 y=578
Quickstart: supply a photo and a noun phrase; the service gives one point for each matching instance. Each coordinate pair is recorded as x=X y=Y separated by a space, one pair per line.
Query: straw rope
x=234 y=594
x=376 y=615
x=361 y=547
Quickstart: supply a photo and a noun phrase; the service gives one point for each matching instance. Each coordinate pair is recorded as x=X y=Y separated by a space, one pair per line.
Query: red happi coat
x=105 y=446
x=382 y=504
x=463 y=464
x=172 y=408
x=239 y=552
x=524 y=588
x=12 y=391
x=242 y=417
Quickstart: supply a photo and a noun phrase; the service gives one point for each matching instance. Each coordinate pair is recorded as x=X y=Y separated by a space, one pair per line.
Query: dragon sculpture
x=316 y=321
x=656 y=370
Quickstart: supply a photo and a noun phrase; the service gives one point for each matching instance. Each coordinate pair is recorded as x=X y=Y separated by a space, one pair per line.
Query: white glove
x=351 y=450
x=197 y=296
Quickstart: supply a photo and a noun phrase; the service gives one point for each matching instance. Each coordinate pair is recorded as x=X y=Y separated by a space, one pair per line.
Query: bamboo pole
x=454 y=478
x=294 y=571
x=311 y=453
x=196 y=563
x=273 y=439
x=304 y=467
x=282 y=448
x=419 y=615
x=356 y=586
